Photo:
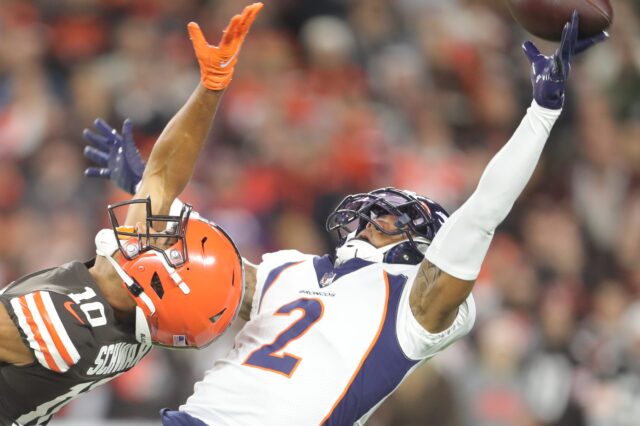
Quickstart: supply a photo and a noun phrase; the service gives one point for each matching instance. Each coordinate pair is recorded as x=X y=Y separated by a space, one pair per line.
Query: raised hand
x=115 y=154
x=217 y=62
x=549 y=73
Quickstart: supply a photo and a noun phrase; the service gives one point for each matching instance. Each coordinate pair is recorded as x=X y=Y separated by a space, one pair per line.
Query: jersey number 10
x=93 y=311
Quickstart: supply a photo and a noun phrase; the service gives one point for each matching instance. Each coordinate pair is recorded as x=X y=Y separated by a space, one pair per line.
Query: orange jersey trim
x=52 y=330
x=37 y=336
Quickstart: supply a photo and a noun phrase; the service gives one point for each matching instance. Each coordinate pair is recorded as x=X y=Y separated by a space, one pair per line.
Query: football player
x=169 y=278
x=328 y=338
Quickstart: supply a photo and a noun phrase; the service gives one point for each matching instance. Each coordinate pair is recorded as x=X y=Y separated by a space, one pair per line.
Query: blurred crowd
x=339 y=96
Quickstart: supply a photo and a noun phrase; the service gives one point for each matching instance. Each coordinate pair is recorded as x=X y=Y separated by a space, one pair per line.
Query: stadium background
x=337 y=96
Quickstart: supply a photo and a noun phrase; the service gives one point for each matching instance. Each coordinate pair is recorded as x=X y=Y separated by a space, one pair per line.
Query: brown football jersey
x=76 y=341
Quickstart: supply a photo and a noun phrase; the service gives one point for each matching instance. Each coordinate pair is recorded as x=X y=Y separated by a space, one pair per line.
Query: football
x=546 y=18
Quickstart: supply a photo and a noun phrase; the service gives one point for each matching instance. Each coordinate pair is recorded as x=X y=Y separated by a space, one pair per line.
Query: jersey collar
x=327 y=272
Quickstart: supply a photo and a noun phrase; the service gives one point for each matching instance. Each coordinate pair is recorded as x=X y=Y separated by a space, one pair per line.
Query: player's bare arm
x=250 y=273
x=12 y=348
x=453 y=259
x=115 y=155
x=174 y=155
x=436 y=296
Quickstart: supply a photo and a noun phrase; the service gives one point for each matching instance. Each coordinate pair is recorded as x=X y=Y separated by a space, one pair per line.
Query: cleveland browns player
x=328 y=338
x=161 y=277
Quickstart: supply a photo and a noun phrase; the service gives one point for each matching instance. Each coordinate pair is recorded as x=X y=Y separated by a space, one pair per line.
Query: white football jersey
x=325 y=344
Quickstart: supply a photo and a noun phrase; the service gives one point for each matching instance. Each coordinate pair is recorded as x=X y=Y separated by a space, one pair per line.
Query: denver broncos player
x=169 y=279
x=329 y=338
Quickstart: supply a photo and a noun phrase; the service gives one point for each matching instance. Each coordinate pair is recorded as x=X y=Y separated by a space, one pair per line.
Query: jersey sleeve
x=50 y=327
x=269 y=269
x=418 y=343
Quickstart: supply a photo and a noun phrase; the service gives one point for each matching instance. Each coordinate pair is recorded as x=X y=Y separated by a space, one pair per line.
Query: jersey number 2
x=265 y=357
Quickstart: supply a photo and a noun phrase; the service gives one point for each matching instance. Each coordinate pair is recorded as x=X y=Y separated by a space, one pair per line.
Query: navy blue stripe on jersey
x=179 y=418
x=273 y=277
x=383 y=369
x=325 y=269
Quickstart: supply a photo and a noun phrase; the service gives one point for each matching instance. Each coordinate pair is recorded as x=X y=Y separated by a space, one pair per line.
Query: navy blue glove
x=549 y=73
x=115 y=153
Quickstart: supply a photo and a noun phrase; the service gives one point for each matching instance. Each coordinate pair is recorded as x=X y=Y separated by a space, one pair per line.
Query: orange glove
x=217 y=62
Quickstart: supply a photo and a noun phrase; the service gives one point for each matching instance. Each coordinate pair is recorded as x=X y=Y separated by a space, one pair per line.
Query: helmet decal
x=156 y=285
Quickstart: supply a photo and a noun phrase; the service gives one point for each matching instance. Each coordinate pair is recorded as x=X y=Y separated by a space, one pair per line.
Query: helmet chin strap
x=362 y=249
x=106 y=245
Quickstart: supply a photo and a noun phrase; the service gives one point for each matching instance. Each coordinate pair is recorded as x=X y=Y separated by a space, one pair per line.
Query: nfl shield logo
x=327 y=279
x=179 y=340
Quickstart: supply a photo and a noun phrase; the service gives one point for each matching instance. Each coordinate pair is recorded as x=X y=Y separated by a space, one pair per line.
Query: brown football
x=546 y=18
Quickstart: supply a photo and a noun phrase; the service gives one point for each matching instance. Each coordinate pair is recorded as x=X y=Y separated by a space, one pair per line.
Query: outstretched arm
x=453 y=259
x=173 y=157
x=12 y=348
x=115 y=155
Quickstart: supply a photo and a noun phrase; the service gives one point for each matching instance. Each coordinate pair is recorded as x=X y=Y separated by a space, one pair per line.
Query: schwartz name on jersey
x=325 y=344
x=74 y=336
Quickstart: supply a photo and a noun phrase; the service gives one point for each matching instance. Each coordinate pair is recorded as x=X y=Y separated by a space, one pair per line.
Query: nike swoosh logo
x=224 y=64
x=68 y=307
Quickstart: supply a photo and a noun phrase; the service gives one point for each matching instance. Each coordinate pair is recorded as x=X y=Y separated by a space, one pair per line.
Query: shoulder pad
x=284 y=256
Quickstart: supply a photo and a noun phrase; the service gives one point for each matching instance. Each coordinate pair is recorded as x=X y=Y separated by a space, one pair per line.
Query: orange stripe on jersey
x=36 y=334
x=52 y=330
x=364 y=358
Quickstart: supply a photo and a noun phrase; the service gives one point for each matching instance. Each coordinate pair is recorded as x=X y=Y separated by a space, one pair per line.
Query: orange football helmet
x=188 y=280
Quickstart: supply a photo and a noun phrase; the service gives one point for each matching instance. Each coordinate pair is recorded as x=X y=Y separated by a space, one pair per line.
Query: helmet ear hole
x=156 y=285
